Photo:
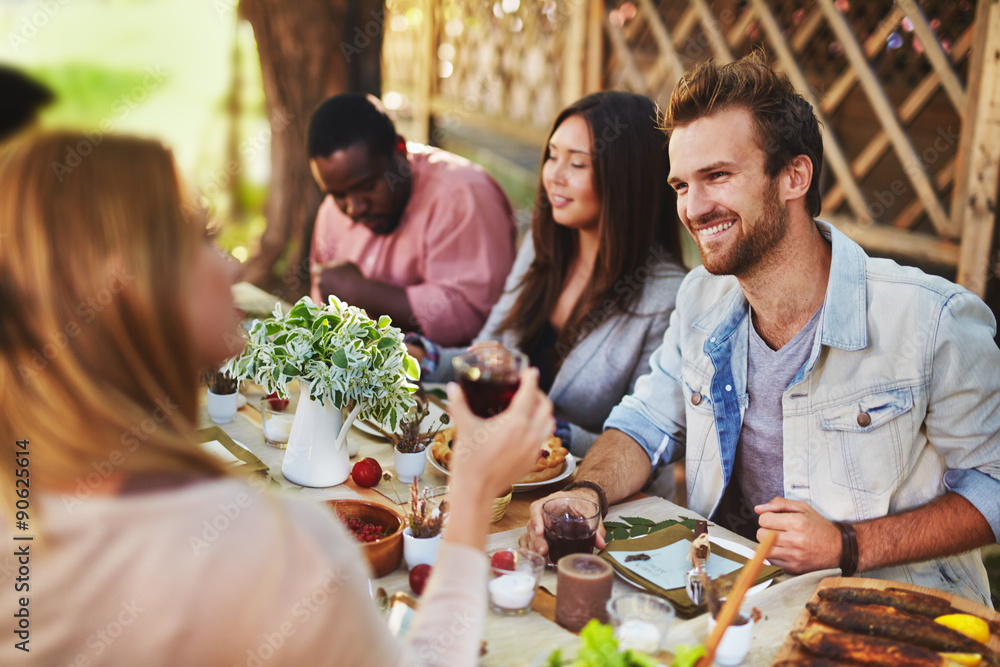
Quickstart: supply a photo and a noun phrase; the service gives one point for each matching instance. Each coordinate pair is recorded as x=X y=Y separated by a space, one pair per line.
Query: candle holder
x=514 y=576
x=641 y=621
x=582 y=590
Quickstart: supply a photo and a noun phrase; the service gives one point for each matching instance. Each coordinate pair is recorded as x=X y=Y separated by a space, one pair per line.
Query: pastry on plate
x=551 y=458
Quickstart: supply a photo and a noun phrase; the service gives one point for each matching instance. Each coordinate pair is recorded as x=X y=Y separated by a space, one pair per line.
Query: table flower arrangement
x=348 y=365
x=343 y=355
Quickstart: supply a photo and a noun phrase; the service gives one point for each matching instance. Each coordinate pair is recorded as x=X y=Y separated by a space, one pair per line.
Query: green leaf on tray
x=640 y=526
x=638 y=521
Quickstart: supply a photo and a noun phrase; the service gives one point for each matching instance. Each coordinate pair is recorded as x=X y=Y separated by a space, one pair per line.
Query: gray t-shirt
x=757 y=470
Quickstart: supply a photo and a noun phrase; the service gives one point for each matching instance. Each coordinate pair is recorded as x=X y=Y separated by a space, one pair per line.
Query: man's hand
x=342 y=278
x=806 y=540
x=534 y=536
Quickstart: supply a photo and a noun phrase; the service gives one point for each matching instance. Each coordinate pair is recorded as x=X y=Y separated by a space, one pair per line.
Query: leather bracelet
x=849 y=554
x=602 y=497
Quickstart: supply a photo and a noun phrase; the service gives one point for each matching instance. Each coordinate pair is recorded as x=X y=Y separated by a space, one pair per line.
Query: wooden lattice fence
x=908 y=92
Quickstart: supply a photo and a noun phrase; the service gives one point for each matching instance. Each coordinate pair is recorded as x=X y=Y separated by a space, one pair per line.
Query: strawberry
x=366 y=472
x=502 y=560
x=273 y=402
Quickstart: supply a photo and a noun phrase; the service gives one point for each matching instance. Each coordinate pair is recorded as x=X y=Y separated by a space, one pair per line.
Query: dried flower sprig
x=425 y=520
x=219 y=382
x=410 y=440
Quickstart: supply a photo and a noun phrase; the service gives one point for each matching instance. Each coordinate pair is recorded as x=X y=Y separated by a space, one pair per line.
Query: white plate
x=519 y=488
x=736 y=548
x=433 y=417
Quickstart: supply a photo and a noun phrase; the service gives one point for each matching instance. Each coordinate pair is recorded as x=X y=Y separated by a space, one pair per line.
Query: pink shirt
x=452 y=250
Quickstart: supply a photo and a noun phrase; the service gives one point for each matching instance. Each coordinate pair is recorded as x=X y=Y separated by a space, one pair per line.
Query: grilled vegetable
x=887 y=622
x=809 y=661
x=915 y=603
x=866 y=650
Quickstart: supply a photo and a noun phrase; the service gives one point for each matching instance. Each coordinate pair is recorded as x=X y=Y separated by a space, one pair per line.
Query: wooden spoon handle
x=732 y=605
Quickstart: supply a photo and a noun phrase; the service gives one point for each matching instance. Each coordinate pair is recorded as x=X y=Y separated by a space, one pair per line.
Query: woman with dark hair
x=593 y=286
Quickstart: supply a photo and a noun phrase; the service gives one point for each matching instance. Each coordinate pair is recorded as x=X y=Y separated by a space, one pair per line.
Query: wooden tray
x=790 y=649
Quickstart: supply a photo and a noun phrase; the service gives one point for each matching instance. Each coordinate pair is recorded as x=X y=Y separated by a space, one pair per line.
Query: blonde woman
x=112 y=300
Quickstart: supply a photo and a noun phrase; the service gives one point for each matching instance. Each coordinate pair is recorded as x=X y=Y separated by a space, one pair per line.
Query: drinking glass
x=514 y=576
x=640 y=620
x=570 y=526
x=276 y=422
x=489 y=377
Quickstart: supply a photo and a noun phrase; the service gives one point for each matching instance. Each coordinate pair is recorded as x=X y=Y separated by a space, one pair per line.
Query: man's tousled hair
x=785 y=124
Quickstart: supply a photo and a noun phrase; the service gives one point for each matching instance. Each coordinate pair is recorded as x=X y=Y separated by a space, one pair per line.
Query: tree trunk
x=309 y=50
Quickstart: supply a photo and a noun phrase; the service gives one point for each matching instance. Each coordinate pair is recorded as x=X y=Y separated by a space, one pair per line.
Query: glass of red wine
x=570 y=527
x=489 y=377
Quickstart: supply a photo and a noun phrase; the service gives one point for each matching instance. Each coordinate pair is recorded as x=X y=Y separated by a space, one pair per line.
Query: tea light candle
x=639 y=635
x=512 y=591
x=278 y=427
x=583 y=588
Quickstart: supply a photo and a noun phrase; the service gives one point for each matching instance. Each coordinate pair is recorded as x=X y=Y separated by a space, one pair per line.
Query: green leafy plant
x=635 y=526
x=345 y=356
x=599 y=648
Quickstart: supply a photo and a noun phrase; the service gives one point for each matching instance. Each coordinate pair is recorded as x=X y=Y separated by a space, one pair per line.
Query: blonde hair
x=96 y=368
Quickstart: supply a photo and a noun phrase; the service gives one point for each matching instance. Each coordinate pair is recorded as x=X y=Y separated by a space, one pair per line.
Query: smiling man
x=848 y=403
x=406 y=230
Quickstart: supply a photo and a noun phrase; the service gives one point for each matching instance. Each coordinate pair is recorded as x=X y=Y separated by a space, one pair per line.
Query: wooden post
x=595 y=47
x=978 y=178
x=426 y=74
x=574 y=53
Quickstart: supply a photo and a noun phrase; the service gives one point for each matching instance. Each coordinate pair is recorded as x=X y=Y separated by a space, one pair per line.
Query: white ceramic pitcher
x=317 y=453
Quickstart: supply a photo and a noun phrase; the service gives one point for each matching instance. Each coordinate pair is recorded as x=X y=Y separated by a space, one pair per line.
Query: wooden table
x=520 y=641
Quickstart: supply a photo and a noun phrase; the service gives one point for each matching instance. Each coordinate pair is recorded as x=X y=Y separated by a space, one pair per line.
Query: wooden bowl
x=385 y=554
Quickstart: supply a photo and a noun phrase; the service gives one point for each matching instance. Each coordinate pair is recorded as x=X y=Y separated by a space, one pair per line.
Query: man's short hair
x=21 y=98
x=784 y=121
x=347 y=119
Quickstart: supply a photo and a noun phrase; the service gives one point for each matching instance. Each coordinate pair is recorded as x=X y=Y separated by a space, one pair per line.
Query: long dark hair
x=637 y=212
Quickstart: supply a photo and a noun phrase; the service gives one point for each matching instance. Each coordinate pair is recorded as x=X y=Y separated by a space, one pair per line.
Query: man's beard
x=750 y=248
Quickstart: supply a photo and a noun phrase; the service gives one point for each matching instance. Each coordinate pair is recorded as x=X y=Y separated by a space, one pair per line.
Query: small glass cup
x=489 y=377
x=276 y=421
x=570 y=527
x=641 y=621
x=514 y=576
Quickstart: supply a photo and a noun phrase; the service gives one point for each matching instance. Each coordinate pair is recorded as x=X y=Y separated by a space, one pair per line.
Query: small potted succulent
x=348 y=366
x=223 y=399
x=422 y=535
x=410 y=443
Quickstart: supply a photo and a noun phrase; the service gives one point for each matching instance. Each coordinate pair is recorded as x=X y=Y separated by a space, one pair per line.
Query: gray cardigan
x=610 y=354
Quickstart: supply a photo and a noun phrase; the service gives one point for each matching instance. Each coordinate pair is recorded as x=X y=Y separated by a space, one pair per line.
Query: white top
x=216 y=573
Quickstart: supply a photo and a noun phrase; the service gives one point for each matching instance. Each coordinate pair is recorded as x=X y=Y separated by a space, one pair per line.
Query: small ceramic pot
x=222 y=407
x=419 y=550
x=735 y=642
x=409 y=466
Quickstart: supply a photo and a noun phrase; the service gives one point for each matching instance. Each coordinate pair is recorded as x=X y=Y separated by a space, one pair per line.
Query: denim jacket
x=898 y=402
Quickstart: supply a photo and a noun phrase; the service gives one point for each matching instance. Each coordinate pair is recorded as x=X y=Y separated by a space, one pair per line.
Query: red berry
x=502 y=560
x=366 y=472
x=418 y=577
x=272 y=401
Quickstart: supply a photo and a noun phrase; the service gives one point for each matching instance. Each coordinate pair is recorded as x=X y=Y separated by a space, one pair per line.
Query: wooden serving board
x=790 y=649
